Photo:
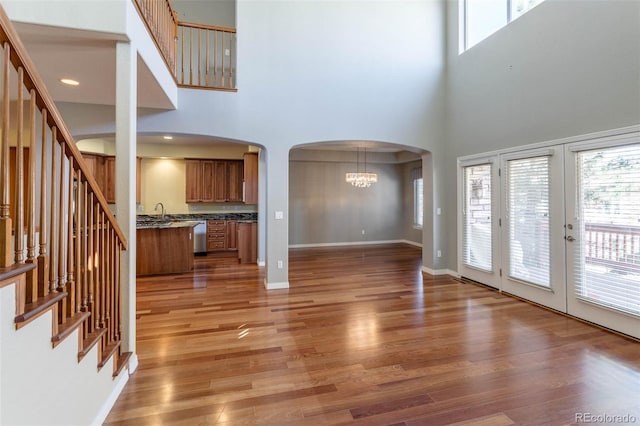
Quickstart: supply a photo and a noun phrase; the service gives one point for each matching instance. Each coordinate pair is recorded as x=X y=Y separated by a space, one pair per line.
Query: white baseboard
x=261 y=262
x=354 y=243
x=121 y=381
x=276 y=285
x=436 y=272
x=133 y=363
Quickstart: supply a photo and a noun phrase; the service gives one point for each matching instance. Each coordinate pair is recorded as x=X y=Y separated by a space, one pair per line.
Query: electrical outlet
x=363 y=232
x=280 y=264
x=439 y=253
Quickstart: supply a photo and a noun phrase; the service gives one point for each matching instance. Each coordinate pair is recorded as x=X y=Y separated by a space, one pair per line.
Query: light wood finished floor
x=363 y=337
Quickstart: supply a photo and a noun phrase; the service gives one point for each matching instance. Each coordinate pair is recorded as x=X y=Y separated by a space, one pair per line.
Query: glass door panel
x=479 y=243
x=532 y=231
x=603 y=237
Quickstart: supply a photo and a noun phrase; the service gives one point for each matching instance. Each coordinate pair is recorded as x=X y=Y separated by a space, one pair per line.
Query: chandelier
x=361 y=179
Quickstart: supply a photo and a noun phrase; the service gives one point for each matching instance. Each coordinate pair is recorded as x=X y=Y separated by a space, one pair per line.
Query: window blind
x=528 y=219
x=607 y=255
x=477 y=230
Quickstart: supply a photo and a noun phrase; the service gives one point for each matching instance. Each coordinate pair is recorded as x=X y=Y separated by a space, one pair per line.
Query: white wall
x=315 y=71
x=65 y=391
x=564 y=68
x=211 y=12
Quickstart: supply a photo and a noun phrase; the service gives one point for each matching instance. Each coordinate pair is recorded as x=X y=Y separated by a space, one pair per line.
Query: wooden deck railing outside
x=54 y=220
x=613 y=246
x=198 y=55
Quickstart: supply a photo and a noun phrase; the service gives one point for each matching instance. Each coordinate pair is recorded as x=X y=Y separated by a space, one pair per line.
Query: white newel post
x=126 y=129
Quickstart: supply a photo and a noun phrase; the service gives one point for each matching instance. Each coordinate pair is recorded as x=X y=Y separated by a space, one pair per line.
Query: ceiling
x=88 y=57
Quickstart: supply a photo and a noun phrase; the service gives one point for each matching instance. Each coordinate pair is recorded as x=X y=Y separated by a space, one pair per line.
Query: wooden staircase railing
x=198 y=55
x=55 y=224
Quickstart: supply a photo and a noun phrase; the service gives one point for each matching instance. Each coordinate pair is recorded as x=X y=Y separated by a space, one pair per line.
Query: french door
x=480 y=193
x=532 y=231
x=603 y=234
x=559 y=226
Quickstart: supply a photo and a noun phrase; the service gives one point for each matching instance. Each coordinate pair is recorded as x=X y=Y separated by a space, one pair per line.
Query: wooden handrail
x=161 y=22
x=75 y=269
x=206 y=27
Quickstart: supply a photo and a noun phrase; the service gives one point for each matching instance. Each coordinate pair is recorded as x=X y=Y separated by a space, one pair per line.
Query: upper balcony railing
x=198 y=55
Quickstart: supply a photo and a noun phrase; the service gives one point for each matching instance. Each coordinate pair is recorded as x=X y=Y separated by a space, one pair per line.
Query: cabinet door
x=235 y=176
x=110 y=179
x=193 y=181
x=232 y=235
x=206 y=182
x=251 y=178
x=220 y=187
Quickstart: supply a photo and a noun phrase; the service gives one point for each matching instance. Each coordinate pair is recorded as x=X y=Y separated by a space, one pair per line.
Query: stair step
x=33 y=310
x=90 y=341
x=69 y=326
x=122 y=362
x=108 y=353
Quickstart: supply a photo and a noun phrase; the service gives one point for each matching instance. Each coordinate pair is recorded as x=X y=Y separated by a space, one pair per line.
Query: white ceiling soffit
x=88 y=57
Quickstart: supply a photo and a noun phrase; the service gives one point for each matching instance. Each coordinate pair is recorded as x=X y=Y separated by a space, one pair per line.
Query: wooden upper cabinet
x=214 y=181
x=110 y=179
x=251 y=178
x=234 y=180
x=193 y=181
x=220 y=187
x=206 y=182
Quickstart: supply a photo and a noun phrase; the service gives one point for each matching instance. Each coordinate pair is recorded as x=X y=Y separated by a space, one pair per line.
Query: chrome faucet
x=155 y=209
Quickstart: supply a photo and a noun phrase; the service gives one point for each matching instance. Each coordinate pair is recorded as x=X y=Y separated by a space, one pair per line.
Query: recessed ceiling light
x=167 y=137
x=69 y=81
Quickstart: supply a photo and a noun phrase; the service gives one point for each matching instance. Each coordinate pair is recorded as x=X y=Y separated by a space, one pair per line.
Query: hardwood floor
x=362 y=337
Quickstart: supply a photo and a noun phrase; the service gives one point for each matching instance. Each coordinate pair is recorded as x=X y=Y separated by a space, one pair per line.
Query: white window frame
x=463 y=20
x=418 y=203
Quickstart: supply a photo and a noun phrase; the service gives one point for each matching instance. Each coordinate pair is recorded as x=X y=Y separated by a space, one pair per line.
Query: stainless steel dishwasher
x=200 y=239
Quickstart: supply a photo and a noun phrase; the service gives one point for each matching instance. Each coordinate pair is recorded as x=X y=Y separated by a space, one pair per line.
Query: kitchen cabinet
x=247 y=242
x=213 y=181
x=235 y=171
x=103 y=169
x=231 y=236
x=110 y=179
x=222 y=235
x=164 y=250
x=220 y=185
x=250 y=178
x=199 y=181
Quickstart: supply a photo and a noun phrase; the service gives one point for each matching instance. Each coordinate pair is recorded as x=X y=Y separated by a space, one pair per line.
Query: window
x=481 y=18
x=417 y=202
x=417 y=198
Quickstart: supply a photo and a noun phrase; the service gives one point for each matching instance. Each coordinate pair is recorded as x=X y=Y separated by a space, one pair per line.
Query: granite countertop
x=189 y=220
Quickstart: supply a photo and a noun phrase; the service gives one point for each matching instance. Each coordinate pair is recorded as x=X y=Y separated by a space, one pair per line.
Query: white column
x=126 y=117
x=277 y=218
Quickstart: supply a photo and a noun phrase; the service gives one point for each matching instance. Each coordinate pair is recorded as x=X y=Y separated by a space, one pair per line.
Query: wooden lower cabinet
x=222 y=235
x=247 y=242
x=164 y=250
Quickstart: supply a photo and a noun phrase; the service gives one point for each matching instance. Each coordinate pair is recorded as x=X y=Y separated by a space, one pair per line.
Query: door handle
x=569 y=238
